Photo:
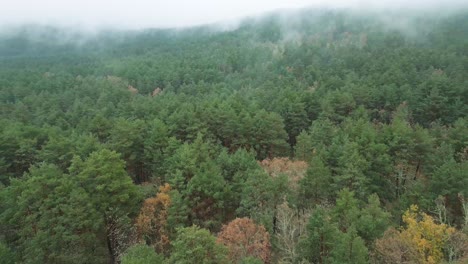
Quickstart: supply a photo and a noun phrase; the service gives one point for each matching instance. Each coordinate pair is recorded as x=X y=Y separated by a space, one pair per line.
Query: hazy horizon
x=141 y=14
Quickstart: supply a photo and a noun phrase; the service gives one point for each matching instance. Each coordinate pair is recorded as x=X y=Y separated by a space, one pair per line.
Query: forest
x=318 y=136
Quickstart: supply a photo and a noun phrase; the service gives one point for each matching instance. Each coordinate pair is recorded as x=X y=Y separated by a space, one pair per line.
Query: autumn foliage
x=244 y=238
x=427 y=236
x=295 y=170
x=392 y=248
x=151 y=223
x=421 y=241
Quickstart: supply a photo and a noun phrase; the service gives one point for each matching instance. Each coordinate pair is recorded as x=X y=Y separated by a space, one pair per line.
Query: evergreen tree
x=195 y=245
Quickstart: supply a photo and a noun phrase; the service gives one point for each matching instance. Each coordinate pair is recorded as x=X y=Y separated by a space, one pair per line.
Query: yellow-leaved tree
x=428 y=237
x=421 y=240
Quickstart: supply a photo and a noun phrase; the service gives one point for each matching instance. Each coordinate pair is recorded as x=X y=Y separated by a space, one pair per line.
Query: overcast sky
x=171 y=13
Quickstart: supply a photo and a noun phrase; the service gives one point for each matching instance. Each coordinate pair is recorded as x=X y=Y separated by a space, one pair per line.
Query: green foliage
x=350 y=170
x=341 y=235
x=53 y=218
x=458 y=137
x=251 y=260
x=377 y=113
x=373 y=220
x=260 y=197
x=450 y=182
x=316 y=184
x=346 y=211
x=321 y=238
x=195 y=245
x=103 y=175
x=270 y=135
x=6 y=256
x=206 y=192
x=156 y=148
x=369 y=220
x=60 y=218
x=141 y=254
x=450 y=179
x=337 y=105
x=127 y=138
x=303 y=150
x=349 y=248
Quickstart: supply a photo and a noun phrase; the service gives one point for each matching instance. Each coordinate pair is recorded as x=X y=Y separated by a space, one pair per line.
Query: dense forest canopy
x=312 y=136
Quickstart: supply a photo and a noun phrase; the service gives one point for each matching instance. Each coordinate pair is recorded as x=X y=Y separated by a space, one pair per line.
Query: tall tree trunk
x=109 y=224
x=110 y=248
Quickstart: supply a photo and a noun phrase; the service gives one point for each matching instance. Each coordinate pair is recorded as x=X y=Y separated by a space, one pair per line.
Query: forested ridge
x=311 y=136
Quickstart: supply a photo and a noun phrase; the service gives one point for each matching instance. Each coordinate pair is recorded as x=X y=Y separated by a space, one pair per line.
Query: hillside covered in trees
x=316 y=136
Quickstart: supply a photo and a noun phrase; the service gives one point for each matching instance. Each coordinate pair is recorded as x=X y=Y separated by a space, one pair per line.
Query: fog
x=137 y=14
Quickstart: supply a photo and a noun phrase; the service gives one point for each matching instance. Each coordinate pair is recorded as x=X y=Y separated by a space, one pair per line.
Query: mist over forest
x=302 y=135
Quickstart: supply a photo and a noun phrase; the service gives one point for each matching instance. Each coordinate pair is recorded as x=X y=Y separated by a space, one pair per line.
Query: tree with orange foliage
x=151 y=223
x=391 y=248
x=295 y=170
x=244 y=238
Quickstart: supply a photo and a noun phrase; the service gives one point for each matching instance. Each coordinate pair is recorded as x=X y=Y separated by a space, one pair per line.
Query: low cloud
x=91 y=15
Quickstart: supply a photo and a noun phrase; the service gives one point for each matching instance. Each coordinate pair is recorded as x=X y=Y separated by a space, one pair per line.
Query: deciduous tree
x=151 y=223
x=244 y=238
